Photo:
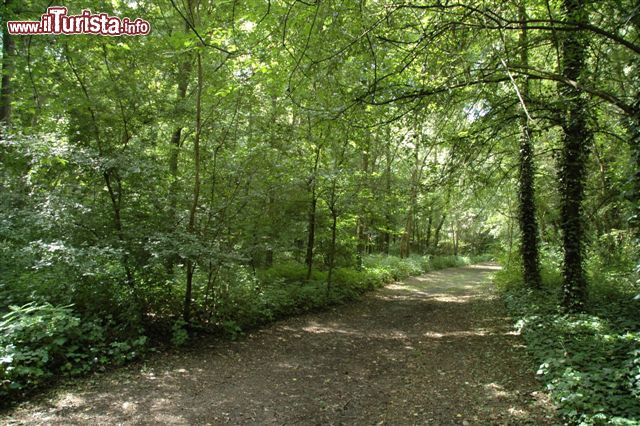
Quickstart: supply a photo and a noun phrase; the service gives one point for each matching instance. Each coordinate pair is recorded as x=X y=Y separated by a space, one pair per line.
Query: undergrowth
x=589 y=362
x=41 y=341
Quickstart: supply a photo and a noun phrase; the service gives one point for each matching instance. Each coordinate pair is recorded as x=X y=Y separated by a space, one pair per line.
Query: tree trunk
x=8 y=55
x=635 y=153
x=332 y=249
x=527 y=207
x=436 y=237
x=361 y=231
x=176 y=140
x=115 y=194
x=176 y=136
x=409 y=230
x=454 y=234
x=268 y=257
x=576 y=145
x=427 y=239
x=334 y=216
x=387 y=208
x=406 y=236
x=311 y=227
x=311 y=233
x=635 y=191
x=190 y=264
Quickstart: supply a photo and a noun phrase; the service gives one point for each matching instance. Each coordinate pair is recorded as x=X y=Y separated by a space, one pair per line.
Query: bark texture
x=576 y=146
x=527 y=217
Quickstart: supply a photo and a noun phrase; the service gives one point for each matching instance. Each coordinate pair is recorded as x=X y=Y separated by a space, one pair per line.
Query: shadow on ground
x=436 y=349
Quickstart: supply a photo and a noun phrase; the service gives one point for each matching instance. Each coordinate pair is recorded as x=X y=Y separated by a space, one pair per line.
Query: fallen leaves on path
x=436 y=349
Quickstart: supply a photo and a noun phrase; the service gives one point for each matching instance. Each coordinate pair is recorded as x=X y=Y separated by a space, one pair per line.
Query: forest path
x=436 y=349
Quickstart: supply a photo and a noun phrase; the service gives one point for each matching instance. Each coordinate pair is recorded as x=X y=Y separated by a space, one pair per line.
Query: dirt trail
x=436 y=349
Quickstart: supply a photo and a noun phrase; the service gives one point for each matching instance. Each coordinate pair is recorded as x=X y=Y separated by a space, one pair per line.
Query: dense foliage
x=39 y=341
x=249 y=160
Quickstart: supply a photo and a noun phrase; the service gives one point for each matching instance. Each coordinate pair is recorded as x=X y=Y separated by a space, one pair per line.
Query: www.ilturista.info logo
x=56 y=21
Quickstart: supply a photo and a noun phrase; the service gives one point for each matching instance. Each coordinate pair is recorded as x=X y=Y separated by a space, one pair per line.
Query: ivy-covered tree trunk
x=527 y=217
x=635 y=151
x=576 y=145
x=635 y=188
x=527 y=213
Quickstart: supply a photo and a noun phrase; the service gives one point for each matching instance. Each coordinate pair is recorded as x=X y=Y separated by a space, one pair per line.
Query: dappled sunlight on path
x=436 y=349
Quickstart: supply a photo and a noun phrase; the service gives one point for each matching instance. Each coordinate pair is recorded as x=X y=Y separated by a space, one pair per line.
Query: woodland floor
x=436 y=349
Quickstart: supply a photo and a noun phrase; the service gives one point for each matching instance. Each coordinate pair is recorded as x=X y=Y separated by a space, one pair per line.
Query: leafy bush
x=289 y=272
x=179 y=333
x=39 y=341
x=397 y=267
x=231 y=329
x=441 y=262
x=589 y=362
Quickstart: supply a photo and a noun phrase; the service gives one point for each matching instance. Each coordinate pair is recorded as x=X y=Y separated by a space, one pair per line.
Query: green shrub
x=40 y=341
x=280 y=300
x=239 y=296
x=311 y=296
x=179 y=333
x=231 y=329
x=397 y=267
x=289 y=272
x=350 y=277
x=376 y=277
x=441 y=262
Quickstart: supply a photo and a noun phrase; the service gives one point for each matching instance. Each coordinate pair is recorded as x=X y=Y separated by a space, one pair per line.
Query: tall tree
x=635 y=144
x=182 y=76
x=528 y=222
x=191 y=227
x=577 y=140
